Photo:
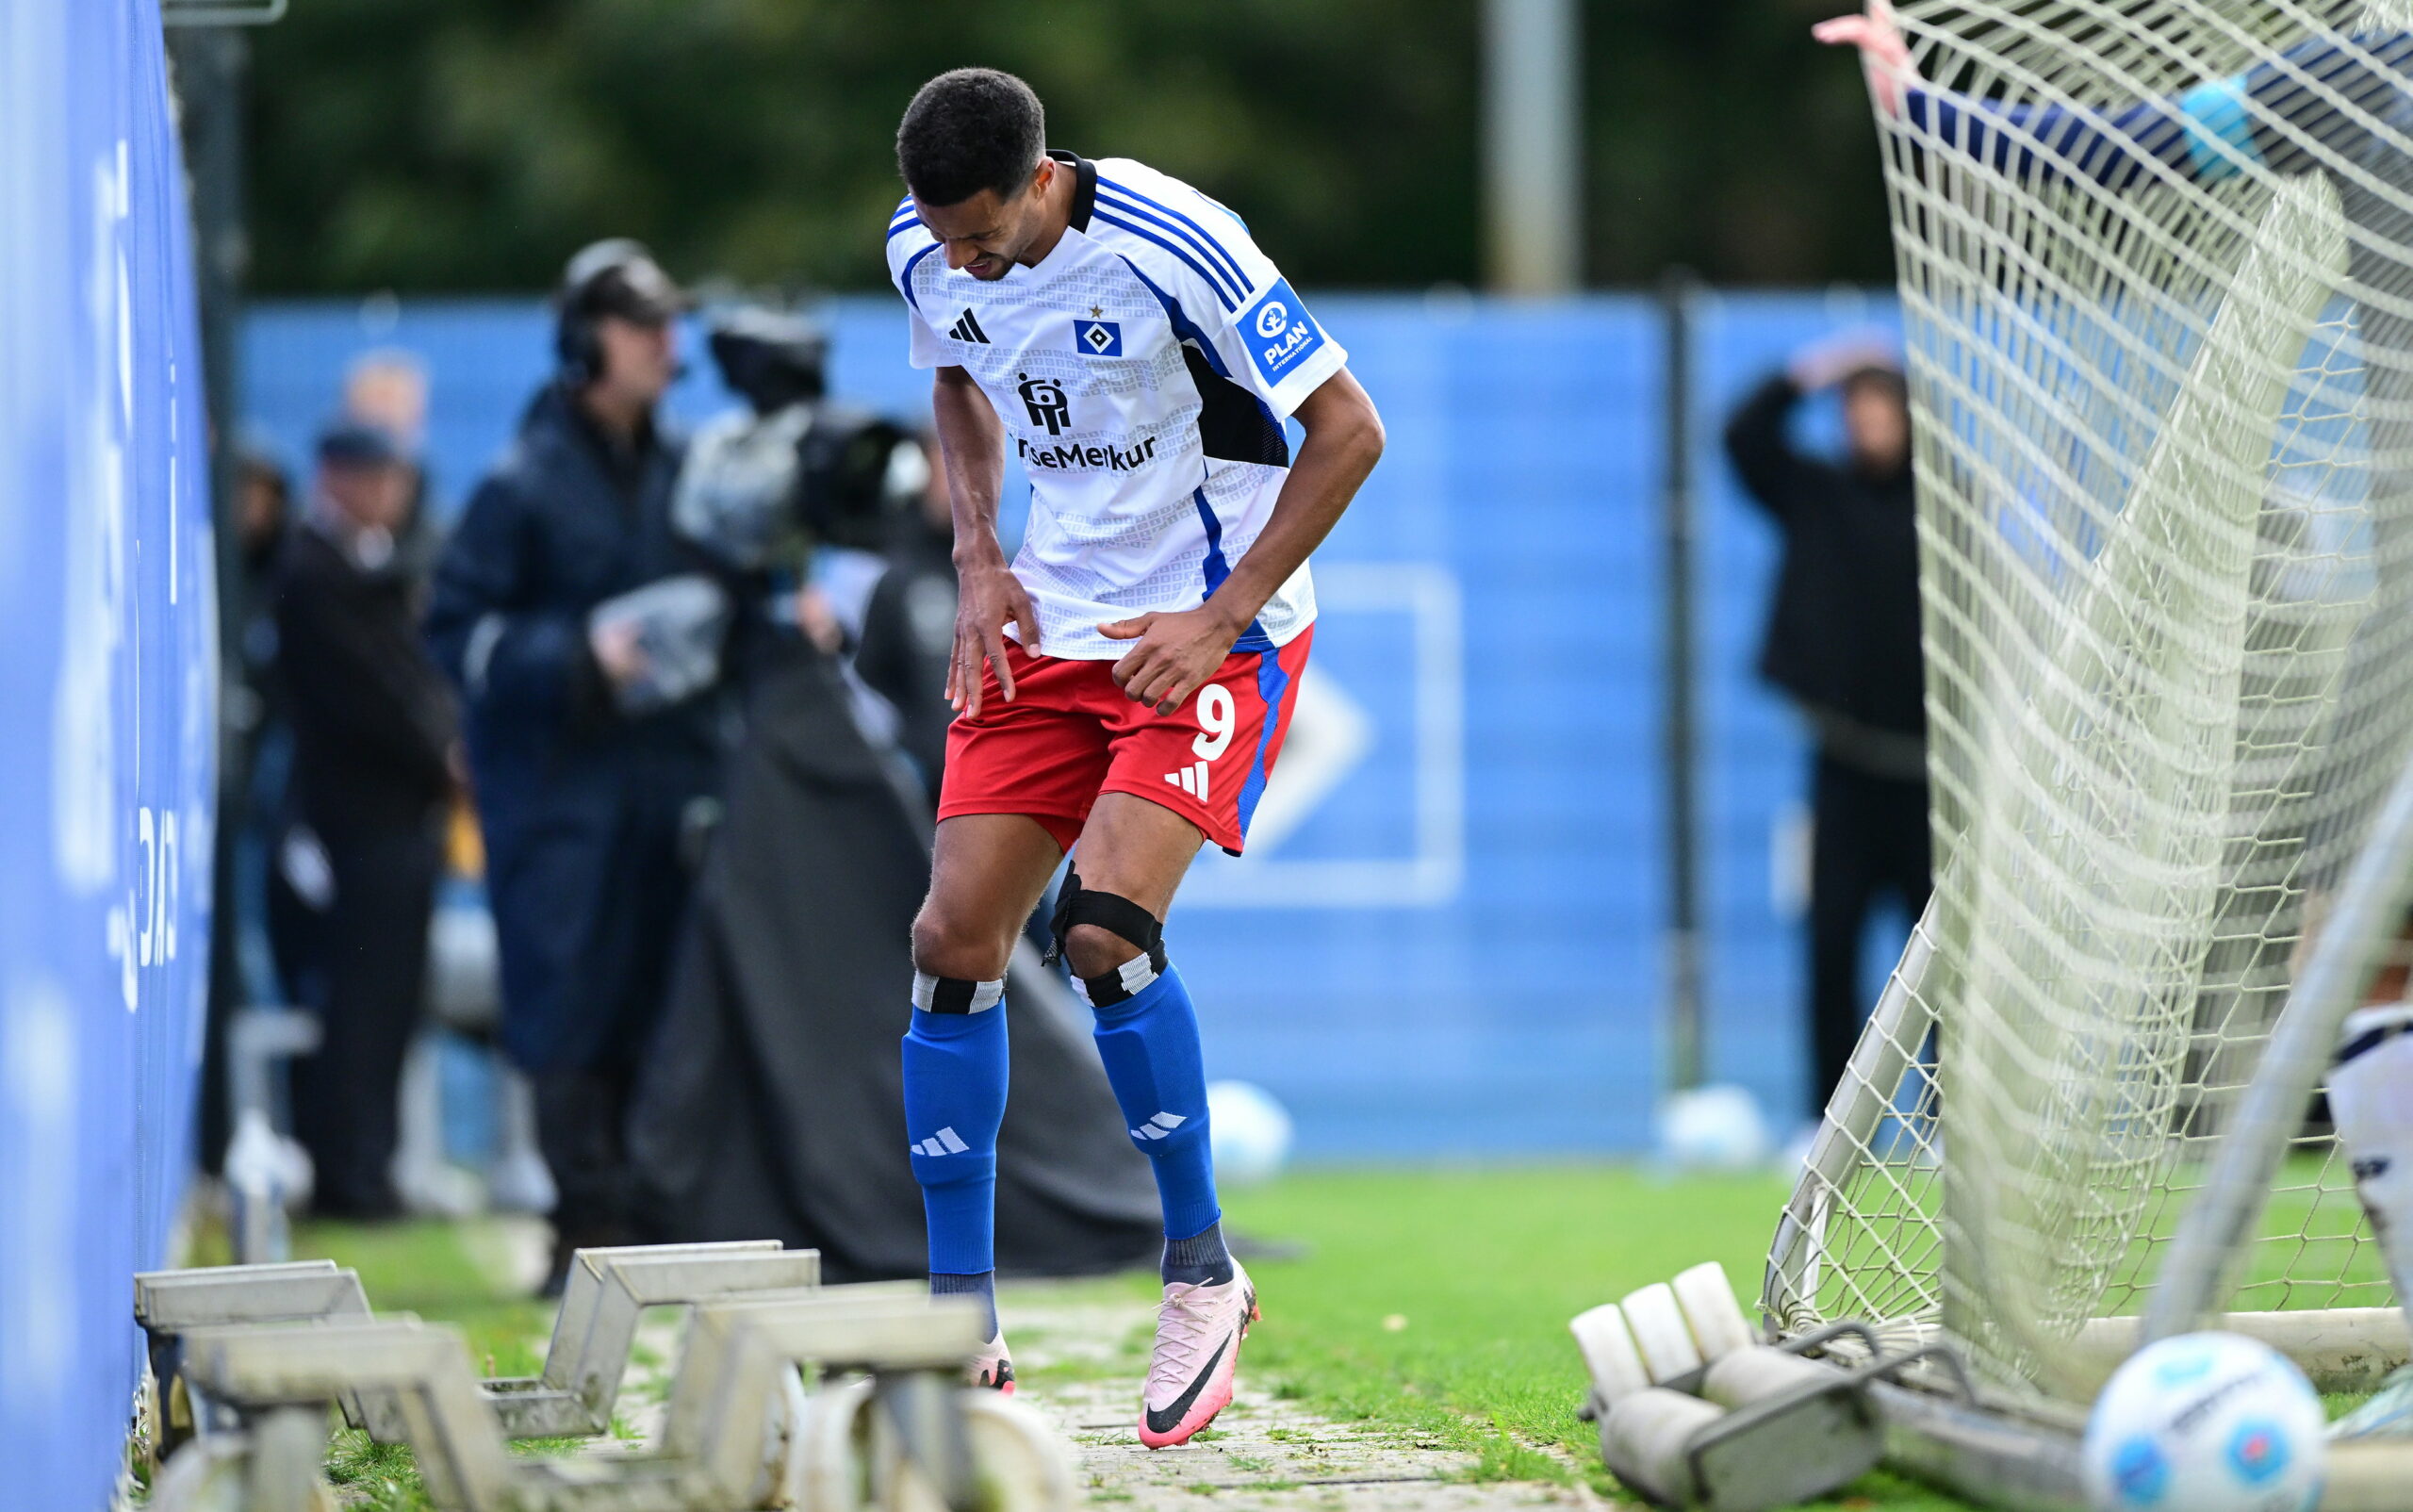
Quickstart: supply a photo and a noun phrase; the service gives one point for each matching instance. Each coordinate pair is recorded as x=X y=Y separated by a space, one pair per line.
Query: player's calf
x=1147 y=1035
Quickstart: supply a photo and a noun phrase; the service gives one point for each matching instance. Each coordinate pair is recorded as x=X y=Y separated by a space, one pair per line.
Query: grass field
x=1430 y=1303
x=1437 y=1302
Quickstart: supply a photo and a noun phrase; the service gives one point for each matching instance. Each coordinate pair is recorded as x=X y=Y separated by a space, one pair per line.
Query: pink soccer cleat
x=993 y=1366
x=1198 y=1329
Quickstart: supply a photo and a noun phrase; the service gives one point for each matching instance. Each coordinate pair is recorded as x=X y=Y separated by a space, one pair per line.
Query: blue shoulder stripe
x=905 y=279
x=910 y=223
x=1239 y=285
x=1146 y=235
x=1239 y=277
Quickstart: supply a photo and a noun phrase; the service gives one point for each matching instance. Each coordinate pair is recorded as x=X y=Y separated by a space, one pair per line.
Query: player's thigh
x=986 y=874
x=1138 y=850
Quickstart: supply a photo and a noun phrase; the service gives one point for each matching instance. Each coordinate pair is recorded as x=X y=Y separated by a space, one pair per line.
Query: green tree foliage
x=468 y=145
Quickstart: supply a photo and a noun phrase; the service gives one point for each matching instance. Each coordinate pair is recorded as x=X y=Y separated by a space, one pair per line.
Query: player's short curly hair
x=967 y=130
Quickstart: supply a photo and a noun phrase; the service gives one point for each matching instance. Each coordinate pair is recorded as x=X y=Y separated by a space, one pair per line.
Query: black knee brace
x=1112 y=911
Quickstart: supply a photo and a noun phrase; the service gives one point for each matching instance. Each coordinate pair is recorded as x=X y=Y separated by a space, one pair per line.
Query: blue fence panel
x=1447 y=936
x=106 y=786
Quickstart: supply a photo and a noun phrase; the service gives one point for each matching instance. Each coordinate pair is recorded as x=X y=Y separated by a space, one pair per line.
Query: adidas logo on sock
x=1158 y=1126
x=945 y=1141
x=968 y=329
x=1190 y=780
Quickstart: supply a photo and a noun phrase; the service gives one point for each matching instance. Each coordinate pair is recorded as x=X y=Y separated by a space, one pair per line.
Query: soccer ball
x=2206 y=1422
x=1713 y=1128
x=1248 y=1131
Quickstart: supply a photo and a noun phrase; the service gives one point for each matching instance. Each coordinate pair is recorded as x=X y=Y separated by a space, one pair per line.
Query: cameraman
x=586 y=760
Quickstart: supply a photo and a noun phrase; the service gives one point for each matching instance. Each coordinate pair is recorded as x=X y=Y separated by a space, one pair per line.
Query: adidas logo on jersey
x=1158 y=1126
x=968 y=329
x=945 y=1141
x=1190 y=780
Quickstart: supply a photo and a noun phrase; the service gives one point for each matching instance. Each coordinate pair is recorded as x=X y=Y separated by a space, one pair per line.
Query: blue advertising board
x=109 y=693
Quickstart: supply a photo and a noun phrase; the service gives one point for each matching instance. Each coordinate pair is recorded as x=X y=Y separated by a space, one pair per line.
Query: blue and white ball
x=2206 y=1422
x=1249 y=1130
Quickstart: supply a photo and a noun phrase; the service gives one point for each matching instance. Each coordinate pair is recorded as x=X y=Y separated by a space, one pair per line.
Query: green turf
x=1437 y=1302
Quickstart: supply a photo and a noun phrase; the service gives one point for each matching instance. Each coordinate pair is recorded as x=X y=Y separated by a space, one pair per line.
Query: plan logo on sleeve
x=1280 y=333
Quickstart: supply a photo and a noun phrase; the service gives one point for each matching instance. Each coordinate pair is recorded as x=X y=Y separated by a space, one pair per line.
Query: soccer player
x=1126 y=682
x=2351 y=97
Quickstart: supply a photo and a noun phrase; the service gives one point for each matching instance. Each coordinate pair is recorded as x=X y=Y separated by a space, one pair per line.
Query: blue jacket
x=581 y=807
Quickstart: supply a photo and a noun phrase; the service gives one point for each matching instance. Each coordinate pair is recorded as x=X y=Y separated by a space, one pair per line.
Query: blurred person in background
x=591 y=751
x=909 y=624
x=373 y=752
x=1842 y=643
x=387 y=389
x=259 y=754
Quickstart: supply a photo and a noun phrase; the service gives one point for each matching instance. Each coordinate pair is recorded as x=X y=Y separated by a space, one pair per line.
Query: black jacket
x=1842 y=632
x=569 y=794
x=908 y=639
x=372 y=717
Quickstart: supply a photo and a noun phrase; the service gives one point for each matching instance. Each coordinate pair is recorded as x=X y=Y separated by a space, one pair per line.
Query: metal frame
x=718 y=1434
x=221 y=13
x=607 y=1292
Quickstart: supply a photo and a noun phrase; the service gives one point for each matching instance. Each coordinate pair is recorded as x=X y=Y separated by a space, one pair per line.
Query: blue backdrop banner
x=109 y=692
x=1446 y=937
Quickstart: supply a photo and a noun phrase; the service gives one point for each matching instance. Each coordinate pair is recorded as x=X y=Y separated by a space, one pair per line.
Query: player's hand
x=989 y=598
x=1824 y=364
x=1883 y=53
x=1177 y=654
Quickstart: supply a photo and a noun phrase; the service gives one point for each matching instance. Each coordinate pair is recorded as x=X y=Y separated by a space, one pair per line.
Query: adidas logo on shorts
x=1190 y=780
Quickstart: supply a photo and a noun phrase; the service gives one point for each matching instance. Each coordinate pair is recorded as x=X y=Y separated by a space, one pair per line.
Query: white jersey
x=1142 y=368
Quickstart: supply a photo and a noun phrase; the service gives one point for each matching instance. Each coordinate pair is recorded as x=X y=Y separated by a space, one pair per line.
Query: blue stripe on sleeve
x=2216 y=119
x=1146 y=235
x=1199 y=233
x=910 y=223
x=905 y=279
x=1221 y=280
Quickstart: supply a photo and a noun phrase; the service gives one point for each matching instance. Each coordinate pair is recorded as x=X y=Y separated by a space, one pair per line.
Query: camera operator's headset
x=575 y=347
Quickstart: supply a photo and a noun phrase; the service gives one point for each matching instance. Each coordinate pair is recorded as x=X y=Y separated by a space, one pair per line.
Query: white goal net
x=2161 y=339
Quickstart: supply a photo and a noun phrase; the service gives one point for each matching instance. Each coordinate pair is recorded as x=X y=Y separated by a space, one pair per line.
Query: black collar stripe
x=1084 y=186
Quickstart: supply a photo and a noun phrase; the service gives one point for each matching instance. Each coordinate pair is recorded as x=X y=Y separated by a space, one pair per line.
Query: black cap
x=354 y=443
x=618 y=276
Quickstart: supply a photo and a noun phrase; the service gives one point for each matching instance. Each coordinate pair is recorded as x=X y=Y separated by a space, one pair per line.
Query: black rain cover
x=771 y=1105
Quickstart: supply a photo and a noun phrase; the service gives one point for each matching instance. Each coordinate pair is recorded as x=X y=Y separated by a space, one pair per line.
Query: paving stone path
x=1083 y=1361
x=1082 y=1355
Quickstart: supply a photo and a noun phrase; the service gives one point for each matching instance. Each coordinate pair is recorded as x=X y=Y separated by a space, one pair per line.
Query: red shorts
x=1071 y=734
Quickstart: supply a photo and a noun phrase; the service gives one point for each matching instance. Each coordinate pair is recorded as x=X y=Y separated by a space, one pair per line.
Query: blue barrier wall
x=108 y=695
x=1446 y=937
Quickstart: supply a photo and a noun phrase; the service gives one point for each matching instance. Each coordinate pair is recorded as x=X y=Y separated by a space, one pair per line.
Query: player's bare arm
x=973 y=445
x=1178 y=651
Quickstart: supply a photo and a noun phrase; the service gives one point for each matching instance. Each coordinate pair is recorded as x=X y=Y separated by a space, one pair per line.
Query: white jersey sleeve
x=1221 y=294
x=909 y=242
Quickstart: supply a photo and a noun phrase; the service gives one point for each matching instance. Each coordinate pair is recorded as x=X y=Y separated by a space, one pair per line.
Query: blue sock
x=1149 y=1042
x=983 y=1286
x=954 y=1099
